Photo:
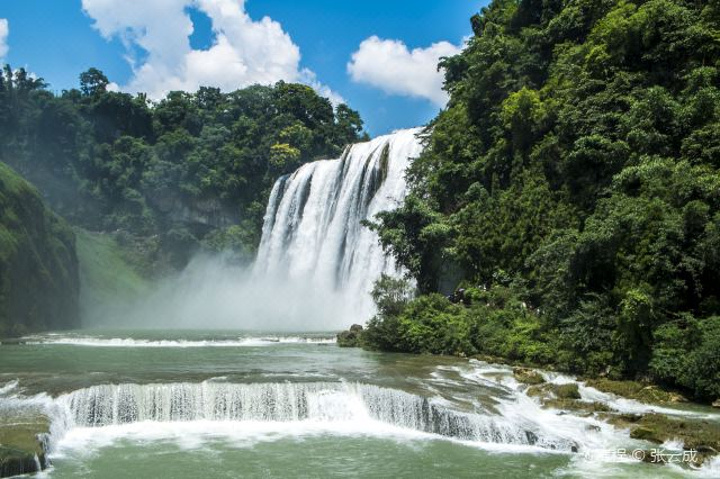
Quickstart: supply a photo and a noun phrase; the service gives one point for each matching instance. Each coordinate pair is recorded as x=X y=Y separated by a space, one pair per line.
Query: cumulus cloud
x=156 y=35
x=4 y=32
x=391 y=66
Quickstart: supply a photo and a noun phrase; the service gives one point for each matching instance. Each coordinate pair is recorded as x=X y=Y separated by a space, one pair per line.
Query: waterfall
x=312 y=232
x=321 y=402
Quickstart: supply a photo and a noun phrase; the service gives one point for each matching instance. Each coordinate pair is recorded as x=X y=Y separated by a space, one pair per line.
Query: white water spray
x=316 y=263
x=317 y=403
x=313 y=232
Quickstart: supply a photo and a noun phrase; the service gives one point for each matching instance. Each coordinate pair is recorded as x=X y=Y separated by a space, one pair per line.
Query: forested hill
x=573 y=183
x=191 y=170
x=39 y=282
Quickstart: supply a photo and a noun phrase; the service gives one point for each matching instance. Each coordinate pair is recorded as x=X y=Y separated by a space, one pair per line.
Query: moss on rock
x=699 y=434
x=528 y=376
x=567 y=391
x=575 y=405
x=646 y=393
x=23 y=444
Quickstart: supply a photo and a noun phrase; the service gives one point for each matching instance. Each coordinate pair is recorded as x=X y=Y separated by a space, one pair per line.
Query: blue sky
x=392 y=81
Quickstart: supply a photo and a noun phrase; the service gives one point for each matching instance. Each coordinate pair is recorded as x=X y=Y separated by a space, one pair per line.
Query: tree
x=93 y=82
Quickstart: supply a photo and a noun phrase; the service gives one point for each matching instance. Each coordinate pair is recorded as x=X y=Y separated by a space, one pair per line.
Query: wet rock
x=14 y=462
x=700 y=435
x=584 y=408
x=528 y=376
x=631 y=417
x=23 y=444
x=716 y=403
x=620 y=420
x=549 y=391
x=649 y=394
x=567 y=391
x=645 y=433
x=538 y=392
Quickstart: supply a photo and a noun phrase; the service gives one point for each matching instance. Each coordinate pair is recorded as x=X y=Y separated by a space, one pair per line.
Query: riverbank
x=697 y=435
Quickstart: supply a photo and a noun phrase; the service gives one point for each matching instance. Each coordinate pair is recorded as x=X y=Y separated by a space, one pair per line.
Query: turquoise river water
x=131 y=404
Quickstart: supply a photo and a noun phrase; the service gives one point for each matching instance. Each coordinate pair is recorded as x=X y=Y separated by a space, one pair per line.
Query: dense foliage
x=192 y=167
x=39 y=281
x=573 y=183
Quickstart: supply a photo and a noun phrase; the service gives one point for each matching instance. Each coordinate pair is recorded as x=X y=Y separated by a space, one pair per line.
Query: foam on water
x=617 y=403
x=8 y=387
x=330 y=404
x=191 y=414
x=598 y=441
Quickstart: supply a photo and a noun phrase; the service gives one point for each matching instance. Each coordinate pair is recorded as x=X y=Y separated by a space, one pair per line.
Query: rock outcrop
x=23 y=443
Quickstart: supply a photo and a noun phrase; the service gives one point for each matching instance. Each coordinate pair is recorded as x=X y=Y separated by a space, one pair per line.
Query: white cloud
x=310 y=78
x=157 y=33
x=4 y=32
x=392 y=67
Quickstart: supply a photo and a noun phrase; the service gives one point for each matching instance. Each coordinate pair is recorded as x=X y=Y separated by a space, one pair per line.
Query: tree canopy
x=184 y=169
x=577 y=164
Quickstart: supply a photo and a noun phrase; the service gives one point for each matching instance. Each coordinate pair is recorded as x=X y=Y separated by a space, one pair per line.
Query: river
x=230 y=404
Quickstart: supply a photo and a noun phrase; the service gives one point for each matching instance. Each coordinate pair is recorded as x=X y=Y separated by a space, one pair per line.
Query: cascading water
x=191 y=413
x=326 y=403
x=280 y=386
x=312 y=232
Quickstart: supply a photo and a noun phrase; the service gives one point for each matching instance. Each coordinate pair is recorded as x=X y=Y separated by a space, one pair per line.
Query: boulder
x=528 y=376
x=567 y=391
x=23 y=444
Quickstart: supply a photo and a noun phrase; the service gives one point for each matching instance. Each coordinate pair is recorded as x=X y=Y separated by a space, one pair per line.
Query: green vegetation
x=642 y=392
x=700 y=435
x=22 y=444
x=351 y=337
x=190 y=171
x=107 y=276
x=20 y=435
x=568 y=391
x=573 y=184
x=38 y=267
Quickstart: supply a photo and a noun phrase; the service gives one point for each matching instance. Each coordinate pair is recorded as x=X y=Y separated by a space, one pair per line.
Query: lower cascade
x=313 y=230
x=112 y=405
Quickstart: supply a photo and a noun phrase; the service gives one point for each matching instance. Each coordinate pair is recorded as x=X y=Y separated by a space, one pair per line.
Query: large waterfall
x=313 y=233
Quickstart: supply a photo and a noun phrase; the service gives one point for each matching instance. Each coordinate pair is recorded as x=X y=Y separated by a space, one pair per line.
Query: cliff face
x=39 y=280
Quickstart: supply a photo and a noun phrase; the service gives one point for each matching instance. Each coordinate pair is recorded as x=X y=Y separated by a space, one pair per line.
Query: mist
x=215 y=292
x=316 y=263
